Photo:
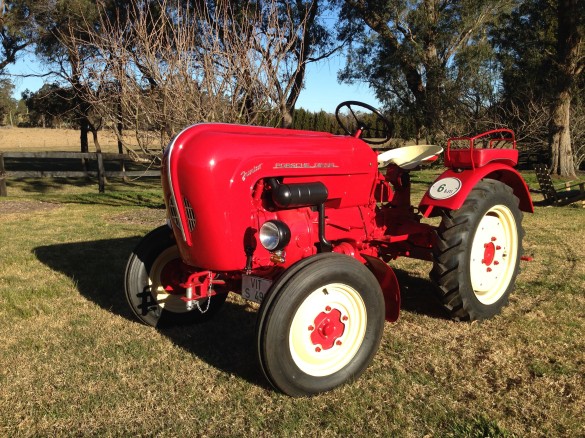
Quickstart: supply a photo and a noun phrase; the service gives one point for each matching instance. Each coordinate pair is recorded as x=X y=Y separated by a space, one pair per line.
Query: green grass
x=74 y=361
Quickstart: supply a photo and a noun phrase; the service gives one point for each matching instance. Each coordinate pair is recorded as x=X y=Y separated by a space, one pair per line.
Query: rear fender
x=450 y=190
x=389 y=284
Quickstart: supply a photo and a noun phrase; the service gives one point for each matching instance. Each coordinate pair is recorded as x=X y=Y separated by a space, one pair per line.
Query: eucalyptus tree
x=422 y=56
x=541 y=48
x=570 y=61
x=18 y=27
x=50 y=106
x=7 y=103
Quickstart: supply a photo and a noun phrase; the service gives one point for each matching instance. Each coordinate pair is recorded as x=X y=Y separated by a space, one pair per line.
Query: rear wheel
x=477 y=252
x=154 y=274
x=321 y=326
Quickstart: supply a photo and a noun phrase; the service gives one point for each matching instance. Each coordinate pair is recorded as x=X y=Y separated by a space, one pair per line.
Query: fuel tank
x=210 y=173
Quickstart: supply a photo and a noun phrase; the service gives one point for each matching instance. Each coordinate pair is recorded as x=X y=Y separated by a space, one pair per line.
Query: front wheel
x=477 y=252
x=153 y=278
x=320 y=326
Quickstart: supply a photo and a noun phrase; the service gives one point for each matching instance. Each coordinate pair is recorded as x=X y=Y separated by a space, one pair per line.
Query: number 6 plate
x=255 y=288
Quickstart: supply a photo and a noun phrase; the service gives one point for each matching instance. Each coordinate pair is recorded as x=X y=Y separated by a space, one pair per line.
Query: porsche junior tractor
x=305 y=223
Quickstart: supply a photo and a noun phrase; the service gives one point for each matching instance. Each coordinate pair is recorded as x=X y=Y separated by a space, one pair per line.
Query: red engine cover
x=210 y=171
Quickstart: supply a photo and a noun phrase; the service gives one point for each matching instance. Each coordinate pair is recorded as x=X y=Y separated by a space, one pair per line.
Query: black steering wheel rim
x=362 y=126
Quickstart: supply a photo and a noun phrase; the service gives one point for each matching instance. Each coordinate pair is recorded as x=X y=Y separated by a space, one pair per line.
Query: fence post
x=101 y=173
x=3 y=191
x=123 y=170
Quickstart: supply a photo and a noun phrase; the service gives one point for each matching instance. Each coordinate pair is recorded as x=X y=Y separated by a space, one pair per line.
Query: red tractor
x=305 y=223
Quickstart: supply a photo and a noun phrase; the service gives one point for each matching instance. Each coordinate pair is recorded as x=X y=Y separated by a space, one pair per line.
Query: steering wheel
x=367 y=127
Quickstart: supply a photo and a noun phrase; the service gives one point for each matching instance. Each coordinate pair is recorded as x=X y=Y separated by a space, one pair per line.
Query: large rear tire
x=477 y=252
x=321 y=325
x=152 y=283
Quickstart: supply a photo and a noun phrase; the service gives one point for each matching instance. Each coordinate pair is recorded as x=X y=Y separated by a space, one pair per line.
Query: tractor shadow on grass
x=417 y=295
x=227 y=342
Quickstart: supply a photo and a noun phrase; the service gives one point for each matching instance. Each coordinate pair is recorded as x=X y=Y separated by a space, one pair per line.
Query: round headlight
x=274 y=235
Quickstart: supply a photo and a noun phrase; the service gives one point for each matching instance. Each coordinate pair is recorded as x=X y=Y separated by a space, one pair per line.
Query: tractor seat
x=409 y=157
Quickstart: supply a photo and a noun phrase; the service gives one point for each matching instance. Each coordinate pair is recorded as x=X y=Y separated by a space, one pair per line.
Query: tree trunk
x=83 y=131
x=120 y=128
x=560 y=137
x=100 y=161
x=286 y=116
x=2 y=176
x=569 y=41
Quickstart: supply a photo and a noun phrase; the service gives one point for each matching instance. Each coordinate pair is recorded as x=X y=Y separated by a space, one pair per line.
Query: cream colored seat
x=409 y=157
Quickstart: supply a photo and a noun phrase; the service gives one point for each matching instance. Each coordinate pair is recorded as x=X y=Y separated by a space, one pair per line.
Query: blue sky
x=25 y=65
x=322 y=90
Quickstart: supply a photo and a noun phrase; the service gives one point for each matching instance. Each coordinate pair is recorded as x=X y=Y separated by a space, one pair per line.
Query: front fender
x=450 y=190
x=389 y=285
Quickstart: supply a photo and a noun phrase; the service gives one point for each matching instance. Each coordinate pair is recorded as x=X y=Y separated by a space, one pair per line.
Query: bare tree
x=290 y=38
x=62 y=45
x=530 y=123
x=161 y=65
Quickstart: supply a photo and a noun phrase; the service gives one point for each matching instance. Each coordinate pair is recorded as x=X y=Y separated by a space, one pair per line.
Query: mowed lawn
x=74 y=362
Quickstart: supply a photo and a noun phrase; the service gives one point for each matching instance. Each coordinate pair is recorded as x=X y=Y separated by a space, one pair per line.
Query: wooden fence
x=84 y=159
x=526 y=161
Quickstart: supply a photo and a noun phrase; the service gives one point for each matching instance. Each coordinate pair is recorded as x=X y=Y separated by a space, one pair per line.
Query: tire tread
x=449 y=249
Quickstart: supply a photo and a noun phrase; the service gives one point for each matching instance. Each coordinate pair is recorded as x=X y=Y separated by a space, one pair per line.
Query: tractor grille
x=174 y=213
x=191 y=221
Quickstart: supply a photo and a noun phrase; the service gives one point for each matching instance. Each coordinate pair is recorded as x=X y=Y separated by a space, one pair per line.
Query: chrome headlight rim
x=274 y=235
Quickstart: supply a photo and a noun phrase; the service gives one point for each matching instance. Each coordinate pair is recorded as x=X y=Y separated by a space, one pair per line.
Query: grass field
x=39 y=140
x=75 y=363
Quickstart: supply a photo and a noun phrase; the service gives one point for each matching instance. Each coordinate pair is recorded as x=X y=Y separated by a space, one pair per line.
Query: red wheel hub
x=171 y=277
x=327 y=329
x=489 y=253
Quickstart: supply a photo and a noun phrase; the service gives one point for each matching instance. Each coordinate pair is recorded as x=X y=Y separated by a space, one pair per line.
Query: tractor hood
x=210 y=171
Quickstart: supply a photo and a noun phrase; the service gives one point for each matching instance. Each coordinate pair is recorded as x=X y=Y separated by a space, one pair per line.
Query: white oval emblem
x=445 y=188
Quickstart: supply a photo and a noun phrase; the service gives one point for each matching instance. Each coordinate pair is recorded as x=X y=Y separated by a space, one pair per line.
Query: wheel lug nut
x=318 y=350
x=496 y=262
x=311 y=328
x=498 y=247
x=337 y=342
x=489 y=269
x=345 y=318
x=494 y=239
x=327 y=309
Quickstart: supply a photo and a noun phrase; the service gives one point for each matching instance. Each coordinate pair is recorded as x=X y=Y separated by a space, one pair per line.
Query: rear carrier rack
x=498 y=145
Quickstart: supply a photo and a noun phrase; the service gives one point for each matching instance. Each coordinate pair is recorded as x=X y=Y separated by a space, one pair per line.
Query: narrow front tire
x=321 y=327
x=153 y=278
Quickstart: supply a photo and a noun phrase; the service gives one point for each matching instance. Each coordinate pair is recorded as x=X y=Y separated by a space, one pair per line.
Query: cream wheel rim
x=328 y=329
x=165 y=300
x=493 y=254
